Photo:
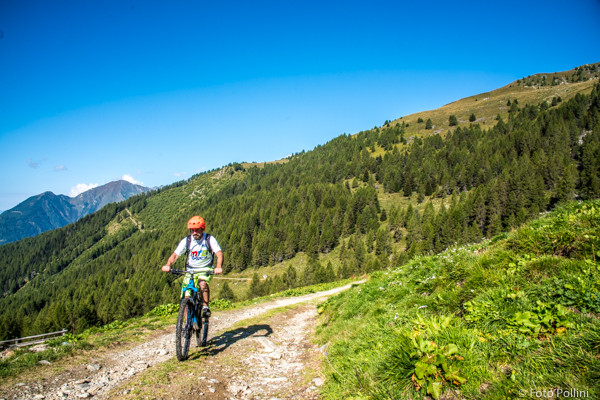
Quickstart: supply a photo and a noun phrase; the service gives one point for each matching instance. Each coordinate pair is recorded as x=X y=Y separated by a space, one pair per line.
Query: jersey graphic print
x=195 y=255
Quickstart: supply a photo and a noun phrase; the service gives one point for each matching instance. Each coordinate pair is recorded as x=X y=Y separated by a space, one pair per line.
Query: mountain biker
x=201 y=248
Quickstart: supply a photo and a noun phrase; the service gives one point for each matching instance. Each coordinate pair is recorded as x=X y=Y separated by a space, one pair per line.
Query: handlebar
x=187 y=271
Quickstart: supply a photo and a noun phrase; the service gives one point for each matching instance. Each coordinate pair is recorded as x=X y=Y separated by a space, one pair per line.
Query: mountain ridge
x=487 y=106
x=47 y=211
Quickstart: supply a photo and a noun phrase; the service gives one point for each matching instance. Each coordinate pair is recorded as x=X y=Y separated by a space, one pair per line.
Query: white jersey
x=199 y=259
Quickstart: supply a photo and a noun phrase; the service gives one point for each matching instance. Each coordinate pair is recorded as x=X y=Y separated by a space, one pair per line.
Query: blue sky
x=156 y=91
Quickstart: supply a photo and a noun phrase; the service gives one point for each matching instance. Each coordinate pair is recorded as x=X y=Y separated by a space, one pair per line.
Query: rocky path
x=266 y=358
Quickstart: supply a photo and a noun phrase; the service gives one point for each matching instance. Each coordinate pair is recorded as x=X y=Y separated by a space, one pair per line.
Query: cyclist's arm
x=219 y=267
x=170 y=262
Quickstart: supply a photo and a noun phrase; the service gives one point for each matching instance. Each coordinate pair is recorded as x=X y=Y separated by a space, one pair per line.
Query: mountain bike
x=190 y=319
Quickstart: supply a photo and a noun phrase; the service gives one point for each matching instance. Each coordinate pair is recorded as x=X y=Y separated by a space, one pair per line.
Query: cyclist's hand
x=166 y=268
x=218 y=270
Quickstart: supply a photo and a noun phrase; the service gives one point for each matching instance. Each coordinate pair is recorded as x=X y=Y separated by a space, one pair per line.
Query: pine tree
x=342 y=255
x=360 y=253
x=383 y=246
x=255 y=289
x=327 y=240
x=590 y=174
x=226 y=293
x=383 y=216
x=290 y=277
x=329 y=274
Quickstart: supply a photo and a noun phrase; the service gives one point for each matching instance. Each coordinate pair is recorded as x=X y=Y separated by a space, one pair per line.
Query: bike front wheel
x=184 y=328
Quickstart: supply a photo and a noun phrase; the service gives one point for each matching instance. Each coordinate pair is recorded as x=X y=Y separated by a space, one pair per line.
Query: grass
x=239 y=282
x=295 y=292
x=23 y=360
x=491 y=320
x=486 y=106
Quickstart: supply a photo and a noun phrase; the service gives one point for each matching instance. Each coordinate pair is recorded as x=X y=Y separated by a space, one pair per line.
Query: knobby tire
x=198 y=338
x=183 y=330
x=204 y=332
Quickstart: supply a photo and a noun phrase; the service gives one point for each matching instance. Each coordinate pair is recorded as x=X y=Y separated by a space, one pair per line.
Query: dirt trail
x=269 y=359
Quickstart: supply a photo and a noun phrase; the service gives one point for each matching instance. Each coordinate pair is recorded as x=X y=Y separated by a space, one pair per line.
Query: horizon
x=99 y=91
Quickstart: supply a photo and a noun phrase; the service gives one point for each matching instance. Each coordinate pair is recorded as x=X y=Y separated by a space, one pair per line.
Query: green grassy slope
x=487 y=106
x=495 y=320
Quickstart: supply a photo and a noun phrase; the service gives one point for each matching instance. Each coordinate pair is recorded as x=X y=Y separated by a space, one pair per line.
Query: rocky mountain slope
x=48 y=211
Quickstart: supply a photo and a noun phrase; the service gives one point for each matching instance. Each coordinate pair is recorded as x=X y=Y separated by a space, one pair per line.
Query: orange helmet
x=196 y=222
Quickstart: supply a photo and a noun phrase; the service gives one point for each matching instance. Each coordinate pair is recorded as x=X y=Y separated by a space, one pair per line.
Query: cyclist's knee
x=203 y=286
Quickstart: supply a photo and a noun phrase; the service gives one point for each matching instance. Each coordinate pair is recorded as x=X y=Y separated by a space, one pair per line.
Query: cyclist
x=201 y=249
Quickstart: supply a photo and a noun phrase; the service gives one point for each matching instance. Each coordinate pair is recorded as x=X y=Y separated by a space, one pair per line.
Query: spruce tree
x=290 y=277
x=226 y=293
x=255 y=289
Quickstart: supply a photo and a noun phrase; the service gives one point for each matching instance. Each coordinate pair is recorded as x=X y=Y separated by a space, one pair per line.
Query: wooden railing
x=32 y=340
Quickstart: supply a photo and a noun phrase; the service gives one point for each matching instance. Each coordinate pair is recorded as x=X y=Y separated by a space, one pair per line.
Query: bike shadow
x=219 y=343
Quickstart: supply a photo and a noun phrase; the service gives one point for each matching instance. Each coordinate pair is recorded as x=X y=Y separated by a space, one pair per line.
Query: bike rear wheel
x=198 y=338
x=202 y=331
x=204 y=336
x=184 y=328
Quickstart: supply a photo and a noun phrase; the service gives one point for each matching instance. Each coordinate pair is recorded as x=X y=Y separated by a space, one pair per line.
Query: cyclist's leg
x=205 y=290
x=204 y=280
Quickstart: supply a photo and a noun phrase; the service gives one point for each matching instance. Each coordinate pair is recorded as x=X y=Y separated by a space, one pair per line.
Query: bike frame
x=191 y=286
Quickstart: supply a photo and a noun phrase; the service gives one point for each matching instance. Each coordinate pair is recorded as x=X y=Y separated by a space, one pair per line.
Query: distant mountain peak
x=46 y=211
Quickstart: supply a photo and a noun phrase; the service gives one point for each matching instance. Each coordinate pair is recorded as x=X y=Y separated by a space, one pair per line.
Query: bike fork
x=191 y=321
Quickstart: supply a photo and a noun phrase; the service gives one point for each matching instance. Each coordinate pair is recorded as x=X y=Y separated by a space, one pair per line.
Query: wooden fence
x=32 y=340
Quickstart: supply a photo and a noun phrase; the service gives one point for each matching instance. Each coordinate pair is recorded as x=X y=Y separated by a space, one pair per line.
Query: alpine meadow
x=477 y=225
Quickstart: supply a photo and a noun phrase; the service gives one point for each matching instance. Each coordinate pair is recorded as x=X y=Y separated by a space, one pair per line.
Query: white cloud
x=131 y=179
x=60 y=168
x=80 y=188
